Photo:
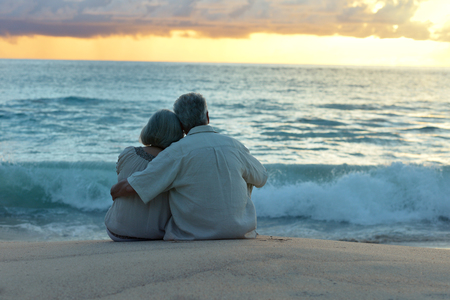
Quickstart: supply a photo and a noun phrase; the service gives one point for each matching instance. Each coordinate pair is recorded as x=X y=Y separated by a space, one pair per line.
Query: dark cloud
x=215 y=18
x=241 y=10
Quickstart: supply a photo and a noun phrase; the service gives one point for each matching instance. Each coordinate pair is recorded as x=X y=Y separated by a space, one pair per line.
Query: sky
x=325 y=32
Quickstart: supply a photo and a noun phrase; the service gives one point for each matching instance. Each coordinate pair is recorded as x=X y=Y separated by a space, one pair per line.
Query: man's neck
x=186 y=131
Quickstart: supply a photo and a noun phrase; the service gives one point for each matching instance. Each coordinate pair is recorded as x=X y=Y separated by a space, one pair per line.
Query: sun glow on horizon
x=259 y=48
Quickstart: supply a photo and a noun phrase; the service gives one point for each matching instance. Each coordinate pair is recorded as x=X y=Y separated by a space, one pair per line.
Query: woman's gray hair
x=162 y=129
x=191 y=109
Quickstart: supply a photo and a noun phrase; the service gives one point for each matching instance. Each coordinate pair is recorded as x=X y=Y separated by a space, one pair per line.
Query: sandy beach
x=263 y=268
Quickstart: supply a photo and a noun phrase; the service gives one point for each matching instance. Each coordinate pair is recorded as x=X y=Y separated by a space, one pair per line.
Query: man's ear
x=207 y=116
x=182 y=128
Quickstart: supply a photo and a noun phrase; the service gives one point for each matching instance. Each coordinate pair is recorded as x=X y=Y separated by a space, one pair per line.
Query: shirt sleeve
x=254 y=173
x=158 y=177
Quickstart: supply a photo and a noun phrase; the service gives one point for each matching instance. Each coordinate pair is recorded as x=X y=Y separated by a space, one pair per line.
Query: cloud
x=216 y=18
x=444 y=33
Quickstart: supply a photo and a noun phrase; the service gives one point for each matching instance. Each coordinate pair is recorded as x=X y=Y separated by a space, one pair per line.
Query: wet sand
x=263 y=268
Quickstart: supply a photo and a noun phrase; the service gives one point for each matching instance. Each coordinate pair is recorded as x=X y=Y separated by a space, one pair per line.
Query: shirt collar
x=201 y=128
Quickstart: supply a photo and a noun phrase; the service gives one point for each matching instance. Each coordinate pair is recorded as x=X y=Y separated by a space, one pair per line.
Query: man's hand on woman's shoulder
x=122 y=189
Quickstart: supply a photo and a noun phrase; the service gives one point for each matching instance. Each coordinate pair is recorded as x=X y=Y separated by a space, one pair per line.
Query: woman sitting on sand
x=129 y=219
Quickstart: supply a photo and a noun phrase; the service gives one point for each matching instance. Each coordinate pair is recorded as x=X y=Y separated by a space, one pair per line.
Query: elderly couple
x=192 y=188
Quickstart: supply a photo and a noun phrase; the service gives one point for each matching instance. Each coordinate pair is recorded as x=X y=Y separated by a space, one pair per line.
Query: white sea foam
x=68 y=201
x=390 y=194
x=83 y=186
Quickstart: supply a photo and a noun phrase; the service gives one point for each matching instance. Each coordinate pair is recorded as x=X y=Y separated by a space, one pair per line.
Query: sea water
x=354 y=153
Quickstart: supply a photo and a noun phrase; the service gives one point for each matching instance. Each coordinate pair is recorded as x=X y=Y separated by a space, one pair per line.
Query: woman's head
x=162 y=129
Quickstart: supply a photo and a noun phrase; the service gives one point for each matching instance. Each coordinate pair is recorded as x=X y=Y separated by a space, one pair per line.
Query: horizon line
x=234 y=63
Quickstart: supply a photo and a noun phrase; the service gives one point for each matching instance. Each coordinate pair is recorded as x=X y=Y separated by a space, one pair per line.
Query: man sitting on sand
x=209 y=177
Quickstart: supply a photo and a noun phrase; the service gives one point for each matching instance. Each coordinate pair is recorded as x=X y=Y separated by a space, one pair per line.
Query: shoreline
x=262 y=268
x=422 y=245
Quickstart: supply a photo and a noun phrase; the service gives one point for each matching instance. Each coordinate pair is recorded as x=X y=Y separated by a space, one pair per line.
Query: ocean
x=357 y=154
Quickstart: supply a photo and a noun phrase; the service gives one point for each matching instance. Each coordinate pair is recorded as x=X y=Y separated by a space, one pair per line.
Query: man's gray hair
x=162 y=129
x=191 y=109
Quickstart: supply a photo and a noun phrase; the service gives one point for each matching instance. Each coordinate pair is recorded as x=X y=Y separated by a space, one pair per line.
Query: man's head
x=192 y=110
